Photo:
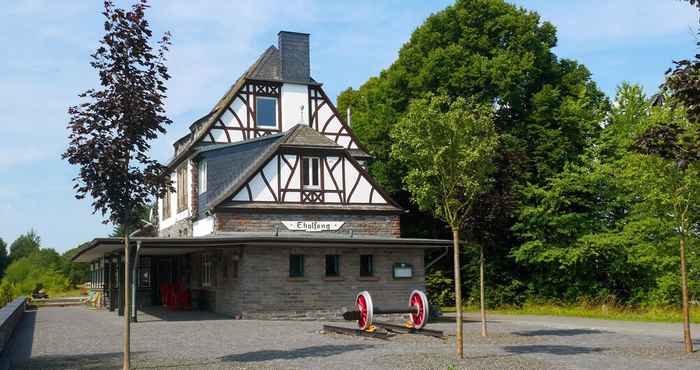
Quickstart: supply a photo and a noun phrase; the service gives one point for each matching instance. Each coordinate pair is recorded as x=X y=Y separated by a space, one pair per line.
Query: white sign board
x=313 y=226
x=402 y=271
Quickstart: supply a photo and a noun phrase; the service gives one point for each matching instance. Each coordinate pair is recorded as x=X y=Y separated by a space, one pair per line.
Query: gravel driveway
x=75 y=337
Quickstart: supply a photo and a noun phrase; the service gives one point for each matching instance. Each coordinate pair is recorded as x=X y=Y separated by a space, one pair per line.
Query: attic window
x=265 y=111
x=310 y=172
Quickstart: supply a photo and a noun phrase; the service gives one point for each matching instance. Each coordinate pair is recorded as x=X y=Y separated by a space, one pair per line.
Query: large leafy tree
x=498 y=54
x=583 y=232
x=25 y=245
x=111 y=130
x=547 y=111
x=449 y=148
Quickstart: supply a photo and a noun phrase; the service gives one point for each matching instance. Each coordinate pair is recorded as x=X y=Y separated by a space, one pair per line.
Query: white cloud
x=597 y=24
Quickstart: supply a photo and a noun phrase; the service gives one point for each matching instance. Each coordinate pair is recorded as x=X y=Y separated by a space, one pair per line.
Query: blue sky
x=47 y=44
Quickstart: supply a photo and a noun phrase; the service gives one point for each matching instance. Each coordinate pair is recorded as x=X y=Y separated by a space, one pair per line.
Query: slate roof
x=228 y=163
x=269 y=67
x=303 y=135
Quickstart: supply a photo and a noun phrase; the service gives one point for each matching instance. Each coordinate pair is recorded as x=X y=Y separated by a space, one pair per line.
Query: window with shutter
x=182 y=188
x=167 y=202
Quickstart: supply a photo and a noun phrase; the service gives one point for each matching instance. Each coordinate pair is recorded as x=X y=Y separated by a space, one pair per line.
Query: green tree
x=40 y=270
x=671 y=178
x=4 y=258
x=142 y=213
x=6 y=293
x=76 y=272
x=25 y=245
x=500 y=55
x=575 y=226
x=547 y=111
x=450 y=148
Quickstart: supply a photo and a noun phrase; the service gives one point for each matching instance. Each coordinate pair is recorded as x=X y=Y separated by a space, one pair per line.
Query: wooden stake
x=458 y=293
x=481 y=293
x=687 y=339
x=127 y=305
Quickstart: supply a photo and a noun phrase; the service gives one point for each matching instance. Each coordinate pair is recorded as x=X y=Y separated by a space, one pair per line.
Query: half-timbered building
x=274 y=212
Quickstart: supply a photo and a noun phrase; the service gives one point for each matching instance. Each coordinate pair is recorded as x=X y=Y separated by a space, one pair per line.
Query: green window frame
x=332 y=265
x=366 y=265
x=296 y=265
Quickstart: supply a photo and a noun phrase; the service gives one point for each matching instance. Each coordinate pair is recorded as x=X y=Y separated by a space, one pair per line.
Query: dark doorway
x=164 y=275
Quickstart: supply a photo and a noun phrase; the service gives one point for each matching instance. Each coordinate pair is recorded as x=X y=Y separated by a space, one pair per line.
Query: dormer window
x=266 y=112
x=311 y=172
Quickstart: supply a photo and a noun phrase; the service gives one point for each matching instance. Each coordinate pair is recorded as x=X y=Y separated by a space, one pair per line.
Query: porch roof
x=174 y=246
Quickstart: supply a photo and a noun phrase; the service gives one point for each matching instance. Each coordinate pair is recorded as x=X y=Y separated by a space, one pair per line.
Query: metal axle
x=355 y=315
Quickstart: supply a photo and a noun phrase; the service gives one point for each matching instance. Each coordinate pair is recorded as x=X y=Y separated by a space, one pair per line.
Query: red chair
x=164 y=292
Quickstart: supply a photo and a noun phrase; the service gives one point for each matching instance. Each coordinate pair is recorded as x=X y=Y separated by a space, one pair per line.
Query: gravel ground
x=75 y=337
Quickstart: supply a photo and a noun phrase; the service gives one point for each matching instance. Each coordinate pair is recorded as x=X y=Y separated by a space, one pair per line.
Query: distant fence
x=10 y=315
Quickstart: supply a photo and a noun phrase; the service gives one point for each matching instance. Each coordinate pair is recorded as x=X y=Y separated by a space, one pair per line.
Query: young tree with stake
x=449 y=148
x=110 y=132
x=669 y=178
x=675 y=145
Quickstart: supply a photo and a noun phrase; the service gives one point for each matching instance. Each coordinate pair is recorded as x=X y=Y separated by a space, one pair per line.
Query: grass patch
x=67 y=293
x=655 y=314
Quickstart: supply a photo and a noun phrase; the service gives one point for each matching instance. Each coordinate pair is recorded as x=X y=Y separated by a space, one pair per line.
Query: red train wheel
x=363 y=304
x=420 y=301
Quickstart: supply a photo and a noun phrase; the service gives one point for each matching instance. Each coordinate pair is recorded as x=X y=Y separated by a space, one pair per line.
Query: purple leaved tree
x=111 y=129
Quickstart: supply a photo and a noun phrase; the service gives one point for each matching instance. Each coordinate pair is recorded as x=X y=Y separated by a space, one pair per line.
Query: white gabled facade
x=294 y=104
x=338 y=180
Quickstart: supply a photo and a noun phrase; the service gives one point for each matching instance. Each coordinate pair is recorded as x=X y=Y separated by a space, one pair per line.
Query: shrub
x=440 y=287
x=6 y=293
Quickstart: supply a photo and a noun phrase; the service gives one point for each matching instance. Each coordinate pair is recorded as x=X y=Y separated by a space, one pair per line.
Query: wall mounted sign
x=403 y=271
x=313 y=226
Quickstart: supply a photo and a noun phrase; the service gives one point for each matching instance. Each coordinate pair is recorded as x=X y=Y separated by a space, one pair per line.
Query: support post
x=120 y=290
x=134 y=317
x=110 y=283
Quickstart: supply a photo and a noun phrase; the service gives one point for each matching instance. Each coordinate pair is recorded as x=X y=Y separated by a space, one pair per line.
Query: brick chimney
x=294 y=56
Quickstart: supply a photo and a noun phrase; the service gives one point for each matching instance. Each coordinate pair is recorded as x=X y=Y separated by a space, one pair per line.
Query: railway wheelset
x=366 y=312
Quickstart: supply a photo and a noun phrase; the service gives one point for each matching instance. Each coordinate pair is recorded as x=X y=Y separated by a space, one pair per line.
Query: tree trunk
x=127 y=299
x=687 y=339
x=481 y=293
x=458 y=293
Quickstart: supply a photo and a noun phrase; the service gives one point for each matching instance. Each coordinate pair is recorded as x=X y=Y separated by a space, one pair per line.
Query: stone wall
x=223 y=294
x=360 y=224
x=10 y=315
x=181 y=229
x=264 y=290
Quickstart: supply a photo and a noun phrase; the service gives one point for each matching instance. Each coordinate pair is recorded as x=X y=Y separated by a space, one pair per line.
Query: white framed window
x=202 y=176
x=311 y=172
x=207 y=270
x=266 y=111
